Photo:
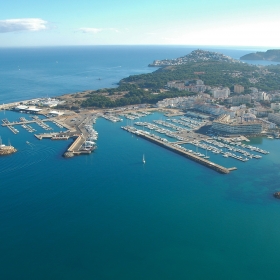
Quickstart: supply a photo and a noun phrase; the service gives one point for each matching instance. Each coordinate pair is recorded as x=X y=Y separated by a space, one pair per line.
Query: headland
x=269 y=55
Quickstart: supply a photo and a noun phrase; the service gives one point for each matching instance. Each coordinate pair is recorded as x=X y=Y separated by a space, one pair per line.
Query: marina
x=179 y=131
x=83 y=133
x=179 y=150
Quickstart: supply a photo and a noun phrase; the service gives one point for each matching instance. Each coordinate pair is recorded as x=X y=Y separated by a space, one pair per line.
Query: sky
x=146 y=22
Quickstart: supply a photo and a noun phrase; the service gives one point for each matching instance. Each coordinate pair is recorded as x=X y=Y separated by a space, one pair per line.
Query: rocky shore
x=7 y=150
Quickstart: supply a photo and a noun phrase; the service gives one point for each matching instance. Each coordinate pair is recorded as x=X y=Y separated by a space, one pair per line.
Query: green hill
x=269 y=55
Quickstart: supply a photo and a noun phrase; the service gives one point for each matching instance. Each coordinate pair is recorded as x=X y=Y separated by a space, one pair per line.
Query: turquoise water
x=108 y=216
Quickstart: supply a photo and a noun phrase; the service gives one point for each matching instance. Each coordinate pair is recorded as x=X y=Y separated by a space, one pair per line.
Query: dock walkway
x=169 y=146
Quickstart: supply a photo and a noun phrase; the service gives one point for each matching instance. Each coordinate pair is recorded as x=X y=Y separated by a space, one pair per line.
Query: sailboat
x=144 y=159
x=206 y=154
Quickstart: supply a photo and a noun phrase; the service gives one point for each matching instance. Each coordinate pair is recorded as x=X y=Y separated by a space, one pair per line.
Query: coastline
x=166 y=218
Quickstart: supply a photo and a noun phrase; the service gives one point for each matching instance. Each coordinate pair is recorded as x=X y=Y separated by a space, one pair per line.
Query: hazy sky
x=156 y=22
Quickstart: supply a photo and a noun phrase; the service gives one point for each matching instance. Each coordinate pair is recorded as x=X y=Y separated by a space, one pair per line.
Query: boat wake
x=26 y=157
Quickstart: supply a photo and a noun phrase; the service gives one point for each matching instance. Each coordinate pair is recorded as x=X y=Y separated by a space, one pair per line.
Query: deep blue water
x=108 y=216
x=27 y=73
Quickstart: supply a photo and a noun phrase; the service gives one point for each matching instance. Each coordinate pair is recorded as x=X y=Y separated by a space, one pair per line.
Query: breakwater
x=169 y=146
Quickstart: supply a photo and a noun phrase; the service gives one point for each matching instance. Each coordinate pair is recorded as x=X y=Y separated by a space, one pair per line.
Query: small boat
x=144 y=159
x=206 y=155
x=277 y=195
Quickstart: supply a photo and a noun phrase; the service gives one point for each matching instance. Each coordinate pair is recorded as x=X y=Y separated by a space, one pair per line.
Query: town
x=231 y=112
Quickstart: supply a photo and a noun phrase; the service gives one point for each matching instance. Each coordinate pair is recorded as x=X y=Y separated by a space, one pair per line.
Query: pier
x=36 y=120
x=9 y=125
x=75 y=148
x=169 y=146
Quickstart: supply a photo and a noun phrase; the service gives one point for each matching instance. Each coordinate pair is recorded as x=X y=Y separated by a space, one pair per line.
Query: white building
x=212 y=109
x=262 y=96
x=220 y=92
x=237 y=126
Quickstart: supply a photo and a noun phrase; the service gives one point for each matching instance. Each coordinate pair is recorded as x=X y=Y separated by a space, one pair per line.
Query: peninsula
x=213 y=68
x=269 y=55
x=194 y=56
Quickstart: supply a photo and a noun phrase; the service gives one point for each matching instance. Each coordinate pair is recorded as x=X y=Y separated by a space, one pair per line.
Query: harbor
x=180 y=132
x=179 y=150
x=79 y=129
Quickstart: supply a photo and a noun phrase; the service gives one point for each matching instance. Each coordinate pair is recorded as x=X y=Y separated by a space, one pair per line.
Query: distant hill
x=269 y=55
x=194 y=56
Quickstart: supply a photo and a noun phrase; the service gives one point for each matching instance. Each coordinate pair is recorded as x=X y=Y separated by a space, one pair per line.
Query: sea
x=109 y=216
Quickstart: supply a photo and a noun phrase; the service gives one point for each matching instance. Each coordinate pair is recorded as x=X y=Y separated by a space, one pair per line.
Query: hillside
x=151 y=88
x=213 y=73
x=194 y=56
x=269 y=55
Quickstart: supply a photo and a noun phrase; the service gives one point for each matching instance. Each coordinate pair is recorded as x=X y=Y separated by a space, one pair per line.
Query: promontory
x=269 y=55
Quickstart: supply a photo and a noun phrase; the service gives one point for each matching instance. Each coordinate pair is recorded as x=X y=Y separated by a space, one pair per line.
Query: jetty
x=173 y=148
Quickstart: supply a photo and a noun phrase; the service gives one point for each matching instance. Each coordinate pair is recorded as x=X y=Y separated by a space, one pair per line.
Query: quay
x=174 y=114
x=76 y=146
x=52 y=136
x=44 y=135
x=203 y=161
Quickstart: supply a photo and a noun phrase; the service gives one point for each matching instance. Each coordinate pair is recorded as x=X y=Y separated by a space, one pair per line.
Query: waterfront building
x=212 y=109
x=268 y=124
x=172 y=102
x=237 y=126
x=274 y=117
x=261 y=112
x=27 y=109
x=238 y=89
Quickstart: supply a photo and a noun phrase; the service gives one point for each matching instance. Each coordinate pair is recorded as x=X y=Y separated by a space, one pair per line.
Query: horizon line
x=143 y=45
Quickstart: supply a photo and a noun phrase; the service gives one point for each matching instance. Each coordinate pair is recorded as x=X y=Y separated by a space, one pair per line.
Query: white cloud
x=260 y=33
x=22 y=24
x=93 y=30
